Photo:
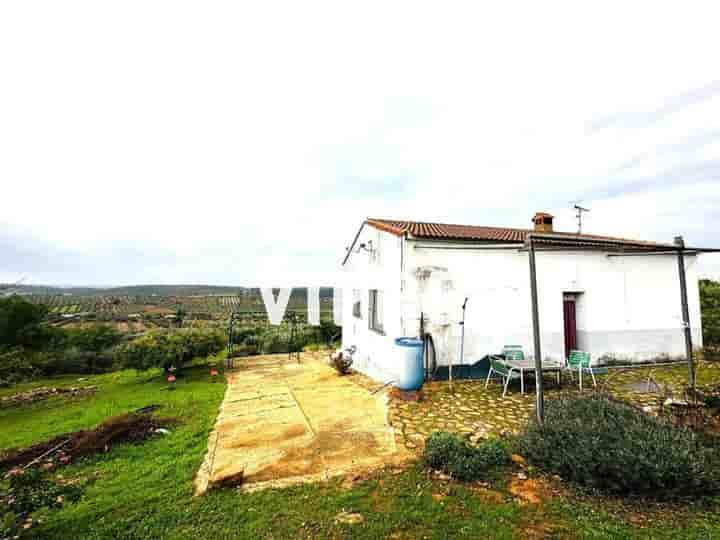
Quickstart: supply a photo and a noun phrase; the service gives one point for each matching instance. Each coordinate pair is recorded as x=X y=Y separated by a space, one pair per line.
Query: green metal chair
x=505 y=371
x=513 y=352
x=580 y=361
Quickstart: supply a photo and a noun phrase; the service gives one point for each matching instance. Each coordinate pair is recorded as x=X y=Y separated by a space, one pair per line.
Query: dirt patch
x=541 y=531
x=40 y=394
x=531 y=490
x=61 y=450
x=489 y=495
x=406 y=395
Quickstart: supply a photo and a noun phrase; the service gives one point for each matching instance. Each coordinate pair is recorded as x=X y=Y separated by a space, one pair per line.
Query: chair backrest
x=579 y=358
x=513 y=352
x=499 y=367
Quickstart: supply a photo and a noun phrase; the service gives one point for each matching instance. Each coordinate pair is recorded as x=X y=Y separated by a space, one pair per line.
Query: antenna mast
x=579 y=214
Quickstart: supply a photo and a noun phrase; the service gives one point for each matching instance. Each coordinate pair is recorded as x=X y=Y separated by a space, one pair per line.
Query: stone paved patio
x=284 y=422
x=476 y=412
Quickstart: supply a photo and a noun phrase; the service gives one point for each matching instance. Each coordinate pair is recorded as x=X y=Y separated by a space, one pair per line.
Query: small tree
x=170 y=348
x=96 y=338
x=19 y=321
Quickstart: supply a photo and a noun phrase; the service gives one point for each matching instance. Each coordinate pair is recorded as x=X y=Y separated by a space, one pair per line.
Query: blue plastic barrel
x=410 y=369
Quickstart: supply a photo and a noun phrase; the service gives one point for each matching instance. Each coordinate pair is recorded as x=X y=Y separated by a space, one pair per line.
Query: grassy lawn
x=145 y=491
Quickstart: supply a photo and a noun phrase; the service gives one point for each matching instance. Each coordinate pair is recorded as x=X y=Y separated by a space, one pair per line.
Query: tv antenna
x=579 y=214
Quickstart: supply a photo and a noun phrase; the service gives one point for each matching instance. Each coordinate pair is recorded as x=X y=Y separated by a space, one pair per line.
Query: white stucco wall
x=380 y=270
x=628 y=307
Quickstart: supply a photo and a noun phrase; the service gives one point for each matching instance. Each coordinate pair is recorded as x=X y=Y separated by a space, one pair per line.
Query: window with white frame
x=357 y=304
x=375 y=310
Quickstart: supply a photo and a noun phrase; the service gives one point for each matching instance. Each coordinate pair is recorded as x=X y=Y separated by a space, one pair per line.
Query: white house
x=619 y=299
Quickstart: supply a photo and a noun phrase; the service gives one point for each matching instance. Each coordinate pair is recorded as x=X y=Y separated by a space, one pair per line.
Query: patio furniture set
x=511 y=363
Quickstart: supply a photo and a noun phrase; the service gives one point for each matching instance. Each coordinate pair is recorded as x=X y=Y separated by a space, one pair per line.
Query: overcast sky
x=230 y=143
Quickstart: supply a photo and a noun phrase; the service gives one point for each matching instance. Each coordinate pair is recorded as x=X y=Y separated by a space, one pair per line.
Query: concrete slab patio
x=284 y=422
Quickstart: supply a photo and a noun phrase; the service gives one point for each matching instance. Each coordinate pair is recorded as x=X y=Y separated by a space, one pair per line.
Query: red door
x=570 y=326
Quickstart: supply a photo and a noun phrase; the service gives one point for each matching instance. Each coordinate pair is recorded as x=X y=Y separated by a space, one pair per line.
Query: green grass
x=145 y=491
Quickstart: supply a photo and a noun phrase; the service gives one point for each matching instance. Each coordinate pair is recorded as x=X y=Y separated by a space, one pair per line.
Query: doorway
x=570 y=322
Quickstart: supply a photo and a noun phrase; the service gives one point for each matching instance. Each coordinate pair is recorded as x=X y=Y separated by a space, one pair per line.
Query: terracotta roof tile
x=446 y=231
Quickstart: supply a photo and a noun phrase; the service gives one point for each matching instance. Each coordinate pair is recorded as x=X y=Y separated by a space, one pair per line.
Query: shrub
x=493 y=453
x=18 y=365
x=601 y=443
x=452 y=454
x=170 y=348
x=329 y=332
x=243 y=334
x=19 y=319
x=28 y=491
x=710 y=308
x=272 y=343
x=250 y=340
x=96 y=337
x=75 y=360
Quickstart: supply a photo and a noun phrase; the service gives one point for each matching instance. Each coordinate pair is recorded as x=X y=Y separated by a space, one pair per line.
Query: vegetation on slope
x=145 y=491
x=710 y=308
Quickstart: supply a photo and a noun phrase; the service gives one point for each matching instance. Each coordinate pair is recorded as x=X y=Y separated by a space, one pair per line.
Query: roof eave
x=397 y=231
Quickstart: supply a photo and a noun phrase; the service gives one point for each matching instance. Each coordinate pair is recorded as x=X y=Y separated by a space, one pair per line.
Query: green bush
x=247 y=335
x=28 y=491
x=710 y=309
x=601 y=443
x=95 y=338
x=18 y=365
x=270 y=339
x=454 y=455
x=273 y=343
x=330 y=332
x=76 y=360
x=164 y=348
x=21 y=364
x=19 y=320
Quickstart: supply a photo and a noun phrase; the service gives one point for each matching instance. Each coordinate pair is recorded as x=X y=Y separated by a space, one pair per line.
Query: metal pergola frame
x=553 y=242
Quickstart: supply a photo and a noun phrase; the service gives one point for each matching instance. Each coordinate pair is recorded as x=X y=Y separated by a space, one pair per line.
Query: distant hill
x=155 y=290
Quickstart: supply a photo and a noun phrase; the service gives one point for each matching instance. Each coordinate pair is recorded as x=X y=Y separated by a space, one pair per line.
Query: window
x=375 y=311
x=356 y=304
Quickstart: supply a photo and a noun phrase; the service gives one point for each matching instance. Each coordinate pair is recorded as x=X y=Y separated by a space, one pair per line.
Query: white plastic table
x=527 y=365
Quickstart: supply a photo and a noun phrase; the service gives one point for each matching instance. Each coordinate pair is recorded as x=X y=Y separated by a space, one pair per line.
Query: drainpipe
x=680 y=243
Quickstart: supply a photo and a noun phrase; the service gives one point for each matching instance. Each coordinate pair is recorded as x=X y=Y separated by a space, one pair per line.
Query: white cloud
x=233 y=141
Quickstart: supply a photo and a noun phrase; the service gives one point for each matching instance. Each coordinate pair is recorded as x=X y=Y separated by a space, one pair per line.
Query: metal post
x=231 y=346
x=462 y=342
x=680 y=243
x=536 y=333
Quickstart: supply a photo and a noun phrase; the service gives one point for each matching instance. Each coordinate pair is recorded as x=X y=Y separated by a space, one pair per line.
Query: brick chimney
x=543 y=222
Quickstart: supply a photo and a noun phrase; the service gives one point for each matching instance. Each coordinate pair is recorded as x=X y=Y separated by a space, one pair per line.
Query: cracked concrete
x=284 y=422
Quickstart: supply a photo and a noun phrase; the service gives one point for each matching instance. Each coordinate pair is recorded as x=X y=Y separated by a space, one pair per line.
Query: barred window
x=375 y=311
x=357 y=304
